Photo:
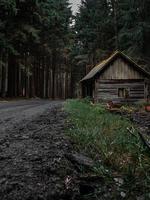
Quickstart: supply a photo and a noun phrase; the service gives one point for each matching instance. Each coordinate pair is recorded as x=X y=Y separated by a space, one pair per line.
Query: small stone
x=119 y=181
x=2 y=180
x=123 y=194
x=81 y=159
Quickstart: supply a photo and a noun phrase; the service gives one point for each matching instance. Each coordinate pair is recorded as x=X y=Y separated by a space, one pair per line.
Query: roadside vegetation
x=112 y=141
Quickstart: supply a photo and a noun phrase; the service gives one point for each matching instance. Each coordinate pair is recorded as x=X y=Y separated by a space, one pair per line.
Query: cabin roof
x=99 y=67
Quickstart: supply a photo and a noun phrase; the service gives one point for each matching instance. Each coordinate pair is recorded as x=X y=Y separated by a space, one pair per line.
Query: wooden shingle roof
x=99 y=67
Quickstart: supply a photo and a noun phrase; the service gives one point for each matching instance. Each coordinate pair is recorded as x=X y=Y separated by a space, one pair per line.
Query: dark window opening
x=123 y=92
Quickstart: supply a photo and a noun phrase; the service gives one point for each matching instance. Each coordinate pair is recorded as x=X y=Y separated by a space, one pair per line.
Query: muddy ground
x=36 y=160
x=33 y=165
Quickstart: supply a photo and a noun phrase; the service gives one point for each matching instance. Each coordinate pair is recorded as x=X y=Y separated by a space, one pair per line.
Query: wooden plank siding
x=119 y=69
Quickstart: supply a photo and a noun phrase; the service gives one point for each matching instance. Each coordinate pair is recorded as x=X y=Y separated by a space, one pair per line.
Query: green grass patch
x=105 y=137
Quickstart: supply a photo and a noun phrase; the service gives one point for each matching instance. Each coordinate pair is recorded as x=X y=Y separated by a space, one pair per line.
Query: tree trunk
x=11 y=75
x=53 y=72
x=3 y=82
x=115 y=8
x=47 y=80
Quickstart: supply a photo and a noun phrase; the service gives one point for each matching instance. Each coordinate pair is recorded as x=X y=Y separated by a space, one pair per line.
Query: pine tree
x=33 y=35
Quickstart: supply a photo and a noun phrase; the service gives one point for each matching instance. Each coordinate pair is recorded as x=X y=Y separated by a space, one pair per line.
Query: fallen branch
x=40 y=129
x=131 y=131
x=144 y=140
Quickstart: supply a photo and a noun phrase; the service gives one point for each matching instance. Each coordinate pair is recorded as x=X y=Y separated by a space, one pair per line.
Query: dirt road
x=32 y=151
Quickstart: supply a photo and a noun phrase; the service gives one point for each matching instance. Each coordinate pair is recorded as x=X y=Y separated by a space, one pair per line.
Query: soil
x=143 y=120
x=33 y=165
x=37 y=161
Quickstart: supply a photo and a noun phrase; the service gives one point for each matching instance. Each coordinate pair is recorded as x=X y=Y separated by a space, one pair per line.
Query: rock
x=123 y=194
x=80 y=159
x=119 y=181
x=2 y=180
x=5 y=157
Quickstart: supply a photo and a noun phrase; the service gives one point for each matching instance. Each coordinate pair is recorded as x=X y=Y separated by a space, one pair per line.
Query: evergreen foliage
x=33 y=33
x=104 y=26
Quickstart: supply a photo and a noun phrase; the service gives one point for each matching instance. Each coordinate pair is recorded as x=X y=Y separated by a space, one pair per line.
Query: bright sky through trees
x=75 y=5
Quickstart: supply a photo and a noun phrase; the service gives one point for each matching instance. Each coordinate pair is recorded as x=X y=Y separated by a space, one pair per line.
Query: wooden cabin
x=117 y=78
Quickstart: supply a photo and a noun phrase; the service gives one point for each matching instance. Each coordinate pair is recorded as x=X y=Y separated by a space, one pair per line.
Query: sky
x=75 y=5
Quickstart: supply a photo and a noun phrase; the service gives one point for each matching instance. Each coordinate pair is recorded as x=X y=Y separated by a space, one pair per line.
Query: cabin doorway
x=87 y=90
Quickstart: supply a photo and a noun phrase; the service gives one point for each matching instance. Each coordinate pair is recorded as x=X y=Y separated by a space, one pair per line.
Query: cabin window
x=123 y=92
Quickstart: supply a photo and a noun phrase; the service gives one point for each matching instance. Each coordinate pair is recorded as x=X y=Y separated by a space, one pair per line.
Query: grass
x=105 y=137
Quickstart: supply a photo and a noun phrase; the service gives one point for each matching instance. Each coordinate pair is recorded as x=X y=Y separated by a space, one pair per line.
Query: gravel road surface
x=12 y=113
x=33 y=145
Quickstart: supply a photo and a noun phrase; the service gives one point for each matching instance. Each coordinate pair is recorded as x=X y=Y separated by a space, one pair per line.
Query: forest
x=45 y=50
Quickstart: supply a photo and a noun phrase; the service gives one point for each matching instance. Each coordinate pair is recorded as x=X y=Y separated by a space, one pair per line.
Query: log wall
x=108 y=89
